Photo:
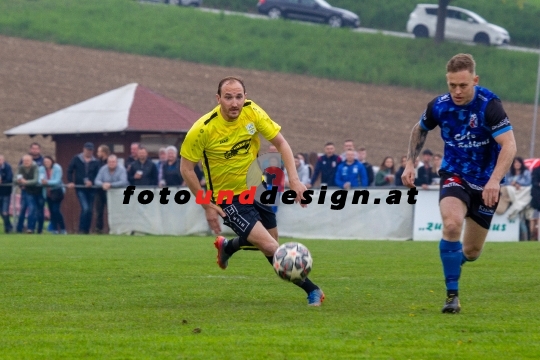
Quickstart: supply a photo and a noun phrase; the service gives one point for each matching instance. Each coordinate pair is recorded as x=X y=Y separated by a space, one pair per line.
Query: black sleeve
x=535 y=190
x=496 y=118
x=536 y=177
x=370 y=174
x=427 y=120
x=424 y=177
x=9 y=174
x=131 y=173
x=95 y=169
x=154 y=175
x=397 y=178
x=70 y=169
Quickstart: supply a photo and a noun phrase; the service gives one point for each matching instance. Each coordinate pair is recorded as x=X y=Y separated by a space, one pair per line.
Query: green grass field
x=108 y=297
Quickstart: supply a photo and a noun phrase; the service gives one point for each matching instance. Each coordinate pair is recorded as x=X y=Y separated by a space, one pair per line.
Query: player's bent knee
x=452 y=229
x=472 y=254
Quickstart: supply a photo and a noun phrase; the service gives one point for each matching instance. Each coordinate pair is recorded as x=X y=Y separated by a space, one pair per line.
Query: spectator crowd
x=92 y=172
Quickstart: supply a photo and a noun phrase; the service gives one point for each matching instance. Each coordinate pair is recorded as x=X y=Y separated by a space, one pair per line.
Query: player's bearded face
x=461 y=85
x=231 y=100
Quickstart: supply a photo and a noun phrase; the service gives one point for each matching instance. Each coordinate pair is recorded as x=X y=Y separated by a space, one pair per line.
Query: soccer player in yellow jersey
x=227 y=141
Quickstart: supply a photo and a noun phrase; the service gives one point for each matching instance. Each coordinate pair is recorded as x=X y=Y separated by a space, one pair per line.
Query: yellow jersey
x=228 y=148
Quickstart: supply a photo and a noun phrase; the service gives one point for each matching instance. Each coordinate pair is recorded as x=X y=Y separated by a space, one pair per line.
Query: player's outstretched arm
x=288 y=159
x=490 y=195
x=187 y=169
x=416 y=143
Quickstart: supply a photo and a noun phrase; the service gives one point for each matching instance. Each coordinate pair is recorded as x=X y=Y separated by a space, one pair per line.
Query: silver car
x=461 y=24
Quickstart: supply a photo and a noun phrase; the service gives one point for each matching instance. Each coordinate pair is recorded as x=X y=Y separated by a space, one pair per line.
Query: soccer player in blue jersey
x=479 y=147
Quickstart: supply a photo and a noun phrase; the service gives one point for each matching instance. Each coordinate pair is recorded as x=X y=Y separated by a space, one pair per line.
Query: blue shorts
x=241 y=218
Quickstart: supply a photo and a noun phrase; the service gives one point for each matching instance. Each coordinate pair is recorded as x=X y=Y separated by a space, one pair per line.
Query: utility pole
x=535 y=115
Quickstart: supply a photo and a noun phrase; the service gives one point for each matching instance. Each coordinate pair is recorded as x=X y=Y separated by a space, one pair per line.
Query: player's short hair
x=461 y=62
x=230 y=78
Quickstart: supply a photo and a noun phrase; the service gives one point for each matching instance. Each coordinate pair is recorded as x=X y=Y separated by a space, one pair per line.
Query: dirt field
x=40 y=78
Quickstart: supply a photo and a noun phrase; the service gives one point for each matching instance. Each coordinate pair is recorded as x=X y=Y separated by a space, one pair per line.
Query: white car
x=461 y=24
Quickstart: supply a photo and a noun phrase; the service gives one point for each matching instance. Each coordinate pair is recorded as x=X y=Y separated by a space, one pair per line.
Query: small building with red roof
x=132 y=113
x=117 y=118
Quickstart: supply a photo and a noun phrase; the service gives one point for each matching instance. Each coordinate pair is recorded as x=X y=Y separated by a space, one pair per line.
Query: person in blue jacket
x=351 y=173
x=50 y=176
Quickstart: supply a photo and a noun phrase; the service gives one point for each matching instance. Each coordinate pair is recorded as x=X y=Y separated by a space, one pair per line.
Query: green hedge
x=519 y=17
x=237 y=41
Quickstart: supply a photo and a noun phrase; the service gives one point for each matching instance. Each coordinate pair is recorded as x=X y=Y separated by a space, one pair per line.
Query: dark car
x=308 y=10
x=184 y=2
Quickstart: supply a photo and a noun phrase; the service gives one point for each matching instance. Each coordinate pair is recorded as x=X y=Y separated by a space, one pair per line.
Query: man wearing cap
x=81 y=173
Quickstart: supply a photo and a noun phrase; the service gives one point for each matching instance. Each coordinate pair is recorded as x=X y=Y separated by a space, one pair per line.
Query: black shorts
x=241 y=218
x=453 y=185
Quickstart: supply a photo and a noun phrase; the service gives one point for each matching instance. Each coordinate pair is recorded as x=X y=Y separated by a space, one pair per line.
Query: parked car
x=461 y=24
x=308 y=10
x=184 y=2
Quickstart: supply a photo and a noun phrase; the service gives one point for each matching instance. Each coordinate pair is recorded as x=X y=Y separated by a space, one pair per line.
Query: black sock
x=451 y=293
x=238 y=244
x=307 y=285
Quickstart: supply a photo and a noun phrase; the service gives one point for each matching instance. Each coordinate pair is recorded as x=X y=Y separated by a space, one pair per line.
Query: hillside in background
x=284 y=46
x=39 y=78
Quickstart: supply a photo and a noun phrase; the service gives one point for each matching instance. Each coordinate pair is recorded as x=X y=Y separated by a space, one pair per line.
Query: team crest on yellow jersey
x=251 y=128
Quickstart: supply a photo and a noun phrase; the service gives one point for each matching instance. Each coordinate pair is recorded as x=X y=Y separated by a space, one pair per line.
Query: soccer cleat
x=315 y=298
x=222 y=257
x=452 y=305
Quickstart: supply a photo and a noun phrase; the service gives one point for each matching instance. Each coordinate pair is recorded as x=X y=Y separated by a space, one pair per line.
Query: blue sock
x=451 y=257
